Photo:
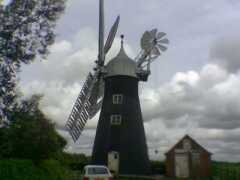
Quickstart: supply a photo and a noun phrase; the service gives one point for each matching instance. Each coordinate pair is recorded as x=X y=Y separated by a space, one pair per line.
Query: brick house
x=188 y=159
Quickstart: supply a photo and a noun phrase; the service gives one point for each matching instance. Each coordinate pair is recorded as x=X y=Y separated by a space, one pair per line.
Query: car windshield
x=97 y=170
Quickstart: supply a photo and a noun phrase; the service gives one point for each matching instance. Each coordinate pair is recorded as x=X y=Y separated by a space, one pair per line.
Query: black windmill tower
x=113 y=88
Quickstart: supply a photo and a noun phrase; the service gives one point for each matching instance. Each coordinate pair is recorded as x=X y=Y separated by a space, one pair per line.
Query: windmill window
x=116 y=119
x=117 y=99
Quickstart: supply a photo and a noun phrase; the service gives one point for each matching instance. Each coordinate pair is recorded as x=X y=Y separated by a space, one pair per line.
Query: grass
x=14 y=169
x=27 y=170
x=226 y=171
x=160 y=178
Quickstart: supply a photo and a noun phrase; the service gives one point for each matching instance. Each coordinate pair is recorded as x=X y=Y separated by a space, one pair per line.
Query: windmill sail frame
x=87 y=103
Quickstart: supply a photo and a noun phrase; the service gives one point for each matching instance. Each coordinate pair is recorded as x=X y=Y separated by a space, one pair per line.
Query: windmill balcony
x=143 y=74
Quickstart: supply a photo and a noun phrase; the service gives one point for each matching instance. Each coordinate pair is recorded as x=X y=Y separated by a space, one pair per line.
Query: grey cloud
x=226 y=52
x=83 y=145
x=212 y=104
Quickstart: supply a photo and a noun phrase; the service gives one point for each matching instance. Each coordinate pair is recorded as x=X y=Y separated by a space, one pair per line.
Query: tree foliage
x=75 y=162
x=26 y=31
x=30 y=135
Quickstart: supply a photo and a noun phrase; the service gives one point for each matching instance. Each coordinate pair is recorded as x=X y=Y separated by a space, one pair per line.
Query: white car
x=96 y=172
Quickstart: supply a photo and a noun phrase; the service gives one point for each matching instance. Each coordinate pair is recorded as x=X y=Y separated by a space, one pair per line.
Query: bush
x=158 y=167
x=27 y=170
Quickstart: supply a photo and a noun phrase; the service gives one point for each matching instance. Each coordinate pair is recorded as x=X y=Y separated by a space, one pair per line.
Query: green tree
x=26 y=31
x=30 y=135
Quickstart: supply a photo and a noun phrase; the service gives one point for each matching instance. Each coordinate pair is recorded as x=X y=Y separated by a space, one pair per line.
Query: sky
x=193 y=88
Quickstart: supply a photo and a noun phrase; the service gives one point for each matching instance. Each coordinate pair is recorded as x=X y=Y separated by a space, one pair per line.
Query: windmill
x=113 y=88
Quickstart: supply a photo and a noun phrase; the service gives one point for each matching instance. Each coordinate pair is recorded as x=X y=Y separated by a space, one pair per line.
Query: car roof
x=94 y=166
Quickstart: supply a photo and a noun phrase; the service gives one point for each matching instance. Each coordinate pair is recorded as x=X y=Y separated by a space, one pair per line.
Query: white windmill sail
x=111 y=35
x=89 y=101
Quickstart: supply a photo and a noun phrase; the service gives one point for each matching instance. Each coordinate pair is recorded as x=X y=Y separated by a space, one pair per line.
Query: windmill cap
x=121 y=65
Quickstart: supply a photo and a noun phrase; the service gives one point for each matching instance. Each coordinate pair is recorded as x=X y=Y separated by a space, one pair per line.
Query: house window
x=186 y=145
x=117 y=99
x=116 y=119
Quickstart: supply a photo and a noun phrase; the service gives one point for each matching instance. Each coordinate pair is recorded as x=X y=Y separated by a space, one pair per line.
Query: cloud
x=225 y=52
x=58 y=98
x=207 y=97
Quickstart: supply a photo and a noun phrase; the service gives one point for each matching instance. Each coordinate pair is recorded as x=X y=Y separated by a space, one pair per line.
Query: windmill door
x=181 y=165
x=113 y=162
